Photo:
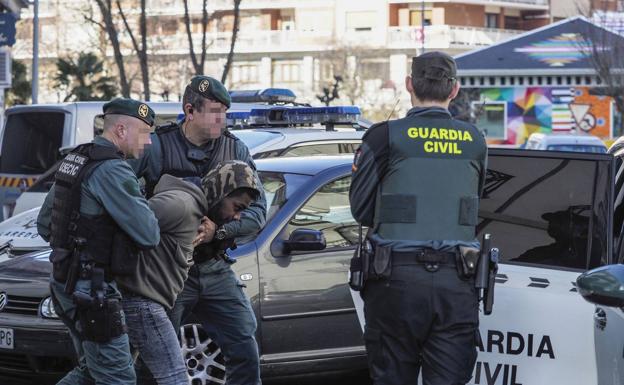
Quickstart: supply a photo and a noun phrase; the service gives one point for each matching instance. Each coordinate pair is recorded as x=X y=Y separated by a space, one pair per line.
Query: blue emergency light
x=267 y=95
x=296 y=116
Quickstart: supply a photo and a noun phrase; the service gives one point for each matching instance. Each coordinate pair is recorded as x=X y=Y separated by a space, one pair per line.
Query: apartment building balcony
x=520 y=4
x=174 y=7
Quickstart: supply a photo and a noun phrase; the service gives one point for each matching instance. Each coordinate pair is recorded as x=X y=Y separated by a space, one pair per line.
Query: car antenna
x=393 y=108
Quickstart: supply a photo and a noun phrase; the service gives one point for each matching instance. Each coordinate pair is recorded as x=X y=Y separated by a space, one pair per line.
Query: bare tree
x=199 y=60
x=230 y=57
x=142 y=49
x=108 y=25
x=604 y=49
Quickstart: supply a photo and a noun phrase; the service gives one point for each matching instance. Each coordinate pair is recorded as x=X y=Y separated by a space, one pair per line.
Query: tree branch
x=187 y=22
x=230 y=57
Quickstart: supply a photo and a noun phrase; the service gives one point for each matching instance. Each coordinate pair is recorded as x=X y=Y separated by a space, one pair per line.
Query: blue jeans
x=216 y=297
x=98 y=363
x=152 y=334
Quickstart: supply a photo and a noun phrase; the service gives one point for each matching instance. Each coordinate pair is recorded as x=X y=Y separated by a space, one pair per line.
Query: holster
x=467 y=261
x=360 y=263
x=100 y=321
x=382 y=263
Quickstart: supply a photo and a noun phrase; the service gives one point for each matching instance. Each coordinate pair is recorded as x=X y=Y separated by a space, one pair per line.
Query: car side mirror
x=603 y=285
x=305 y=240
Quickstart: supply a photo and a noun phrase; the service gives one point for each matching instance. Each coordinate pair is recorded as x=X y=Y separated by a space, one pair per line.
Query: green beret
x=211 y=88
x=130 y=107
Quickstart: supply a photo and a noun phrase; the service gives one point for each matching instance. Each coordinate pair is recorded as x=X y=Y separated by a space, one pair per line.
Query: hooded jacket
x=160 y=272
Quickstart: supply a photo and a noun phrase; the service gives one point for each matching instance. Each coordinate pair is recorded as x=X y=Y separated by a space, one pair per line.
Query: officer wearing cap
x=416 y=183
x=95 y=199
x=191 y=148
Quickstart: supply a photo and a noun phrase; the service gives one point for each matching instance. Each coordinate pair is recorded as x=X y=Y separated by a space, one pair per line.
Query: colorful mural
x=544 y=109
x=558 y=51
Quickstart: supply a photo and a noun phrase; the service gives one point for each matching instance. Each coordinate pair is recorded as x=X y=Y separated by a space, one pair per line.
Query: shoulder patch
x=131 y=187
x=166 y=128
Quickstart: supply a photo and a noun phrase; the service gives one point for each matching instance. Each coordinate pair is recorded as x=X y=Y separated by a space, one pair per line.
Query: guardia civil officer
x=416 y=184
x=95 y=201
x=192 y=148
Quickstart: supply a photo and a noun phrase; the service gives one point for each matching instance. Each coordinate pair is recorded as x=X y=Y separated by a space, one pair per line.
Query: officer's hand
x=205 y=231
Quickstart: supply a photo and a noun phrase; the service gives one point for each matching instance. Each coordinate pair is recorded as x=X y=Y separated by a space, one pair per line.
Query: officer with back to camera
x=191 y=149
x=416 y=185
x=95 y=201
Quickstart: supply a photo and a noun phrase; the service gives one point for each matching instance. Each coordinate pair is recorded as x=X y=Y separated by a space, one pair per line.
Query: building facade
x=293 y=44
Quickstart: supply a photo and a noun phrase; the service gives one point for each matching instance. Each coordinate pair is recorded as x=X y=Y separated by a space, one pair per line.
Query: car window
x=253 y=139
x=278 y=188
x=328 y=210
x=577 y=148
x=314 y=149
x=31 y=141
x=545 y=211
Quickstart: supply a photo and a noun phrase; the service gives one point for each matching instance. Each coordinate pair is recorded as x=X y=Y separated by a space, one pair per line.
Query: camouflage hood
x=225 y=178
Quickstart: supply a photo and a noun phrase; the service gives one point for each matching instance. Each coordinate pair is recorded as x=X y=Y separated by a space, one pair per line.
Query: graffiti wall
x=510 y=115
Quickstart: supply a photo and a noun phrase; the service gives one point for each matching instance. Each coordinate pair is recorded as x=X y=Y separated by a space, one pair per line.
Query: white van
x=33 y=135
x=565 y=142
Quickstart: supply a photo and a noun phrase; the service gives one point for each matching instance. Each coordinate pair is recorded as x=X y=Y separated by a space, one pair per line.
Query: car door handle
x=600 y=318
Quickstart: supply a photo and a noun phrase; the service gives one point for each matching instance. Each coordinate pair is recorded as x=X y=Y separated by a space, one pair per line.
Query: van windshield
x=31 y=141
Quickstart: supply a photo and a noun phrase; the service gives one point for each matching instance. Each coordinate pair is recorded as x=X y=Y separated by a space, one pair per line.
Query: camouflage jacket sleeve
x=254 y=217
x=369 y=166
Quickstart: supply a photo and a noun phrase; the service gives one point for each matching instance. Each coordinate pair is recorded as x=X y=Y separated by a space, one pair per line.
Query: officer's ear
x=409 y=86
x=455 y=91
x=188 y=110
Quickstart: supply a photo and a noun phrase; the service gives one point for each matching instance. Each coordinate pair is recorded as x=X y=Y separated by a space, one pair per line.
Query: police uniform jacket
x=432 y=168
x=111 y=188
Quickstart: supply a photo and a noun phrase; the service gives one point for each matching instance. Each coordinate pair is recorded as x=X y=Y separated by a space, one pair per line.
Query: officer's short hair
x=436 y=90
x=193 y=98
x=433 y=76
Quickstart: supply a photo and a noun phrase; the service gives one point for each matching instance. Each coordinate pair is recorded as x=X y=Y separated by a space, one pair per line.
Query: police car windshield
x=254 y=139
x=577 y=148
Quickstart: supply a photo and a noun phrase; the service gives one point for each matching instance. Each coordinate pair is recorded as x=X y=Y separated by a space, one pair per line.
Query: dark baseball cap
x=211 y=88
x=130 y=107
x=434 y=65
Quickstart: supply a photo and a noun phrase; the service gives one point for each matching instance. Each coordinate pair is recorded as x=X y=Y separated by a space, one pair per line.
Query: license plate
x=6 y=338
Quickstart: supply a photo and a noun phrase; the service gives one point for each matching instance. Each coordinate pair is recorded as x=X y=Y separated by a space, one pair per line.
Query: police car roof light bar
x=267 y=95
x=300 y=116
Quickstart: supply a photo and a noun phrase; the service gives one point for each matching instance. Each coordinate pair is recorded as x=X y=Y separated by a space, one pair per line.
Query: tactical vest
x=179 y=157
x=67 y=223
x=431 y=188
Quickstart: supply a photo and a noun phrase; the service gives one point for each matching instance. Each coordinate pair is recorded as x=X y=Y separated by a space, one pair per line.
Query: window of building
x=361 y=21
x=245 y=73
x=491 y=20
x=491 y=118
x=513 y=22
x=416 y=17
x=286 y=72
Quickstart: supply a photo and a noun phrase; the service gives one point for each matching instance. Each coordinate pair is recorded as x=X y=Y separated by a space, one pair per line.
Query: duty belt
x=432 y=259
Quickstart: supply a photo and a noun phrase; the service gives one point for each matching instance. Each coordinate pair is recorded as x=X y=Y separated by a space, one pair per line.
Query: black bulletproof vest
x=67 y=223
x=431 y=188
x=181 y=159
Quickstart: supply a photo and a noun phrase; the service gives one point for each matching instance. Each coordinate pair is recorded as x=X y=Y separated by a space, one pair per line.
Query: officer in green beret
x=192 y=148
x=416 y=184
x=95 y=201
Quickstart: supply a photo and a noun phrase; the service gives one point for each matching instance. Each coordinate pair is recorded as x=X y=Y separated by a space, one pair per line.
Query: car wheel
x=203 y=358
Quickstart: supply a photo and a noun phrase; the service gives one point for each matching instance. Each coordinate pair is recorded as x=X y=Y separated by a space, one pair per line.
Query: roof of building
x=563 y=47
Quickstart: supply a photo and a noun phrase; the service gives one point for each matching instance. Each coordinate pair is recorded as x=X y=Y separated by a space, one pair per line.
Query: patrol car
x=549 y=223
x=269 y=121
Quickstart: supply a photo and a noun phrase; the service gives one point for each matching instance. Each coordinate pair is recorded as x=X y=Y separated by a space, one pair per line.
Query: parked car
x=549 y=223
x=565 y=142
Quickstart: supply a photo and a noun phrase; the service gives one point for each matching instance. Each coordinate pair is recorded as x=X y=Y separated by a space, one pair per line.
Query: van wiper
x=6 y=245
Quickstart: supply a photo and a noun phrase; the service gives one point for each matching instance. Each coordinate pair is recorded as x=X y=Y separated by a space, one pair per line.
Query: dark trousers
x=420 y=319
x=216 y=297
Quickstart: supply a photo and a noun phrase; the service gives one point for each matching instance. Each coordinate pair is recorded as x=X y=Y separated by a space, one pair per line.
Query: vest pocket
x=468 y=211
x=397 y=208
